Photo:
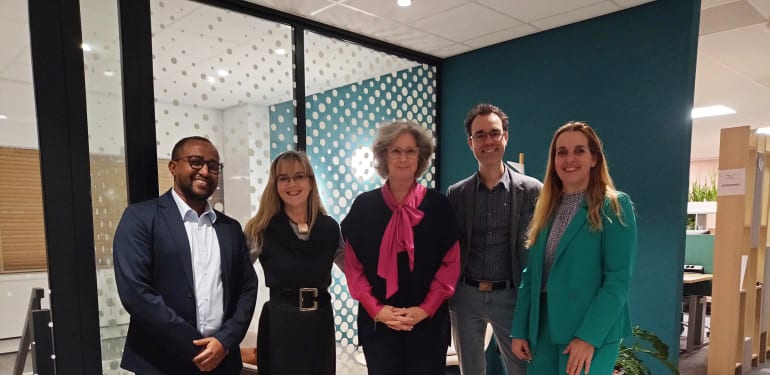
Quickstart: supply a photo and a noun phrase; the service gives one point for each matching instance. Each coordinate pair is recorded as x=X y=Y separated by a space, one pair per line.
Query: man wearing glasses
x=493 y=208
x=183 y=274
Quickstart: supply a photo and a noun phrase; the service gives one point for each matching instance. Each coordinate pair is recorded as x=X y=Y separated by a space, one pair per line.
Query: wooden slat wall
x=22 y=232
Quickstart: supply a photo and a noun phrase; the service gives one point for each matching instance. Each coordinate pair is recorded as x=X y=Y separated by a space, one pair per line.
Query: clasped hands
x=580 y=354
x=401 y=318
x=211 y=355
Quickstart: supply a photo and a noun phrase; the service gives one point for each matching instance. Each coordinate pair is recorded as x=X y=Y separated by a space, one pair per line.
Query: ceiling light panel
x=419 y=9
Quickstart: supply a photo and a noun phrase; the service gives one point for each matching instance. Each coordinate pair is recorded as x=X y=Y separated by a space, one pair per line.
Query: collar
x=185 y=209
x=506 y=180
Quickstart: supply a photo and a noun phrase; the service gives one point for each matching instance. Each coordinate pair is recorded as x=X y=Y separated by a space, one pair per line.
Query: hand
x=520 y=349
x=580 y=355
x=211 y=355
x=396 y=322
x=411 y=315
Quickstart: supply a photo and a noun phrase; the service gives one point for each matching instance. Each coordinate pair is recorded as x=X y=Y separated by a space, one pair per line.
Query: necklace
x=302 y=228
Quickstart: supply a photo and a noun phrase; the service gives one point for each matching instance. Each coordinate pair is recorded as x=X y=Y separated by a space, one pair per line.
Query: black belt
x=487 y=285
x=305 y=299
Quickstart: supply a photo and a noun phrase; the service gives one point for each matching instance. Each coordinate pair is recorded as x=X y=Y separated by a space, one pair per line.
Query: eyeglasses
x=397 y=153
x=480 y=136
x=197 y=162
x=297 y=178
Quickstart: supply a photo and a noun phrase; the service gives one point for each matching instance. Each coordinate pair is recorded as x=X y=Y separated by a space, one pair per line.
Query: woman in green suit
x=572 y=307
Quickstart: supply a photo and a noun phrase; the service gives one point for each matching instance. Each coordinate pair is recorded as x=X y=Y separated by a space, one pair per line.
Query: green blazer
x=588 y=284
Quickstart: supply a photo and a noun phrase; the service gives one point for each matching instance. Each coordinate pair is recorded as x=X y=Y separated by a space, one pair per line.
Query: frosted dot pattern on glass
x=341 y=124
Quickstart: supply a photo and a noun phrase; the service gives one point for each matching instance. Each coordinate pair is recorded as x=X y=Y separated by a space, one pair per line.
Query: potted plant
x=629 y=363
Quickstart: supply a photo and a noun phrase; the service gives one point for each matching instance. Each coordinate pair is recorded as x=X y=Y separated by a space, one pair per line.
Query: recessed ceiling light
x=3 y=117
x=211 y=80
x=404 y=3
x=714 y=110
x=763 y=131
x=109 y=73
x=86 y=47
x=223 y=73
x=280 y=51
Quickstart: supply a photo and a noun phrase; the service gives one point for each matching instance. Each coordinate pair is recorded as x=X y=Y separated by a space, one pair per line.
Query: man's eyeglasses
x=197 y=162
x=298 y=178
x=397 y=153
x=482 y=136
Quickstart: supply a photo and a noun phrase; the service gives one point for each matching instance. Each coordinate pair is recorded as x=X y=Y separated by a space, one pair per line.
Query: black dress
x=296 y=327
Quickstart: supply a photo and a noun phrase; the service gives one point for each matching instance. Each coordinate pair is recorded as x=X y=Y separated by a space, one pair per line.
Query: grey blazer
x=524 y=193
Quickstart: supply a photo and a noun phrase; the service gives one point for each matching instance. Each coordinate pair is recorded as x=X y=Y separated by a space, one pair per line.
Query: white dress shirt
x=206 y=264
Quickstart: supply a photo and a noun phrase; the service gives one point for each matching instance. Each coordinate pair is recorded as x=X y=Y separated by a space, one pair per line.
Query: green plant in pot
x=704 y=192
x=629 y=363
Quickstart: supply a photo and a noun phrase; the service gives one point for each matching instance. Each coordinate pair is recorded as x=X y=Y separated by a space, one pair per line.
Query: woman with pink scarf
x=402 y=259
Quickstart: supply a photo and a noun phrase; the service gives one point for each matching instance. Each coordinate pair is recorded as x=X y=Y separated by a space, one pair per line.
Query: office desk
x=692 y=277
x=697 y=312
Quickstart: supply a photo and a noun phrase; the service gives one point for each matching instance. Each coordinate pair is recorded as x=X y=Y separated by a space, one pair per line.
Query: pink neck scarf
x=398 y=235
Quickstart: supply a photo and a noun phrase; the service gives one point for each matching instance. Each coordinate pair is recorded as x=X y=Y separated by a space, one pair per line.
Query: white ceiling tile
x=353 y=20
x=762 y=6
x=729 y=16
x=297 y=7
x=18 y=73
x=15 y=10
x=14 y=54
x=412 y=38
x=454 y=49
x=419 y=9
x=502 y=36
x=705 y=4
x=456 y=24
x=631 y=3
x=745 y=50
x=576 y=15
x=528 y=11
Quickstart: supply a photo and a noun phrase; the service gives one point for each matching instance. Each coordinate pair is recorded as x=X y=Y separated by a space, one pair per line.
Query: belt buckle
x=485 y=286
x=302 y=299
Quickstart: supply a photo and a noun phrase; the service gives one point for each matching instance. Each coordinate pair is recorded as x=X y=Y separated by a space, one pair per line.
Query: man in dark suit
x=493 y=208
x=183 y=274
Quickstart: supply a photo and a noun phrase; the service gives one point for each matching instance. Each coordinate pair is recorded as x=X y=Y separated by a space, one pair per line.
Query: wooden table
x=697 y=312
x=693 y=277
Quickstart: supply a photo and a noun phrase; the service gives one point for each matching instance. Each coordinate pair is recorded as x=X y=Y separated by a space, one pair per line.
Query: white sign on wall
x=731 y=182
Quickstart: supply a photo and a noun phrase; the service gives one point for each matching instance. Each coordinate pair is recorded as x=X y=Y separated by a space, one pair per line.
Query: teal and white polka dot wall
x=342 y=124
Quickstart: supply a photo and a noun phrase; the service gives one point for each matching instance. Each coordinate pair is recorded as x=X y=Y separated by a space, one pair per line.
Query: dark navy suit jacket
x=154 y=276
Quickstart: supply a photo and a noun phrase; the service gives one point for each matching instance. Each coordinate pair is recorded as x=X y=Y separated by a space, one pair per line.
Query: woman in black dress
x=296 y=243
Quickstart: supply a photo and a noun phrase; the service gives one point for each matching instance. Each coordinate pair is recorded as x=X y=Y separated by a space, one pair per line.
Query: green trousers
x=547 y=357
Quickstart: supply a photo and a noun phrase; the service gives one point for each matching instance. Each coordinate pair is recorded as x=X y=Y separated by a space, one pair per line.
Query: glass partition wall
x=255 y=82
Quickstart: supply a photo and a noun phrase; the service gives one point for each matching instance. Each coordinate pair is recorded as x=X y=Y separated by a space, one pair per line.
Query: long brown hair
x=600 y=185
x=270 y=203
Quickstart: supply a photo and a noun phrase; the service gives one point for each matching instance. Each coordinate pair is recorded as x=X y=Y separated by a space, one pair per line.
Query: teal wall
x=631 y=75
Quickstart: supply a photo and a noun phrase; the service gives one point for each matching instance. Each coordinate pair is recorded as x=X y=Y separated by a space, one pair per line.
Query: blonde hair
x=388 y=134
x=600 y=185
x=270 y=203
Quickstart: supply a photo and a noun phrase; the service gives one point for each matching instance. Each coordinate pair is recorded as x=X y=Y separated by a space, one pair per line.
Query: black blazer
x=524 y=193
x=153 y=273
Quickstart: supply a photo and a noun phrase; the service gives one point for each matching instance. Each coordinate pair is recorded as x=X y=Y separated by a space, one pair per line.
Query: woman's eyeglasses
x=298 y=178
x=397 y=153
